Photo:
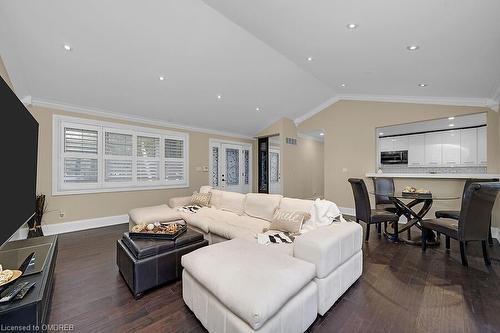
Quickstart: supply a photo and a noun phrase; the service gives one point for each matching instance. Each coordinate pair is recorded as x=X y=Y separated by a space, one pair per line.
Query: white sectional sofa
x=334 y=250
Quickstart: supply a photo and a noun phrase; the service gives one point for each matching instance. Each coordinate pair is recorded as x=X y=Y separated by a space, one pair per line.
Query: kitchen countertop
x=434 y=175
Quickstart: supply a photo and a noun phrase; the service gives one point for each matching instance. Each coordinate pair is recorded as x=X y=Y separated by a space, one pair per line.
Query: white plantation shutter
x=175 y=163
x=118 y=144
x=80 y=156
x=148 y=159
x=80 y=170
x=118 y=159
x=92 y=156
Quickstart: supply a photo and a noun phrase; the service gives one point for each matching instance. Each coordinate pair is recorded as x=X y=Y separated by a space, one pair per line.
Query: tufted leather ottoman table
x=149 y=263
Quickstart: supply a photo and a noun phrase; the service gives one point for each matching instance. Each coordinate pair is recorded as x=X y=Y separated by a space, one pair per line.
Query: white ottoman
x=240 y=286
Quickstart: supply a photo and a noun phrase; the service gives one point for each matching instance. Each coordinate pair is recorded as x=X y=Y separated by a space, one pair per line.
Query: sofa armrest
x=329 y=247
x=179 y=201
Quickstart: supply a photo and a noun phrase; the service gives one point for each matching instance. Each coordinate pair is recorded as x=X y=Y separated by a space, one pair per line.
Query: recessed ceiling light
x=309 y=59
x=257 y=109
x=451 y=125
x=352 y=26
x=422 y=85
x=321 y=133
x=219 y=96
x=162 y=78
x=412 y=47
x=343 y=85
x=67 y=47
x=451 y=118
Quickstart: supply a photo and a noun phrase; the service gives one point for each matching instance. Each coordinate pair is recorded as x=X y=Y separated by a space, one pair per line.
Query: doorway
x=274 y=165
x=230 y=165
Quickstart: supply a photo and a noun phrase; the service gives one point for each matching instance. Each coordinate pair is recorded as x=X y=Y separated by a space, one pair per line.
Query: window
x=92 y=156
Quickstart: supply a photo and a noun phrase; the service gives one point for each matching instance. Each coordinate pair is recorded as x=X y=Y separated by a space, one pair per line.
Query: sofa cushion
x=265 y=281
x=329 y=247
x=161 y=213
x=205 y=189
x=216 y=199
x=297 y=205
x=262 y=205
x=226 y=224
x=201 y=219
x=232 y=202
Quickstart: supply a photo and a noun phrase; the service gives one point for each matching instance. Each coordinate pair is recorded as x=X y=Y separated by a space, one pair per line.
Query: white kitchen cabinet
x=416 y=150
x=451 y=148
x=433 y=148
x=482 y=151
x=468 y=146
x=400 y=142
x=394 y=143
x=386 y=144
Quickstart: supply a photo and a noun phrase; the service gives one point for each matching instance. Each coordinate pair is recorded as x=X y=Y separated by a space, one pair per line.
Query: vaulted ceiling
x=238 y=65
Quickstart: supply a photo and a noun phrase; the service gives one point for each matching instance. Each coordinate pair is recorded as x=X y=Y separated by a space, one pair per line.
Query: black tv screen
x=19 y=135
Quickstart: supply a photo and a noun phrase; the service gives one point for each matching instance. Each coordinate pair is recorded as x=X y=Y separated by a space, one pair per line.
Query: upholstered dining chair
x=383 y=187
x=363 y=208
x=473 y=222
x=455 y=214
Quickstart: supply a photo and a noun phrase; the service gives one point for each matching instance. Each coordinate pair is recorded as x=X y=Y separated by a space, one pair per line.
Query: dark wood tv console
x=31 y=313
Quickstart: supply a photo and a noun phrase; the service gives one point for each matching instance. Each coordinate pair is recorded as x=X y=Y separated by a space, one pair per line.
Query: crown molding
x=496 y=95
x=317 y=109
x=137 y=119
x=26 y=100
x=474 y=102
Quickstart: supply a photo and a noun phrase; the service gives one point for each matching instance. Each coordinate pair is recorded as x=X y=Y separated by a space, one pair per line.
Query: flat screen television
x=19 y=135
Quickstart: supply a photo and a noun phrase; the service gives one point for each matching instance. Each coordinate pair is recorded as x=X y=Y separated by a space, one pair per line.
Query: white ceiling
x=459 y=55
x=121 y=48
x=253 y=53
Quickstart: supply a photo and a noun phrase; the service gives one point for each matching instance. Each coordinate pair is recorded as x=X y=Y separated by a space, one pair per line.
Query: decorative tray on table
x=412 y=192
x=165 y=231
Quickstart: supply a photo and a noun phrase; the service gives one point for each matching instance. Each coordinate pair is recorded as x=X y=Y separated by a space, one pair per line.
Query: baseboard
x=61 y=228
x=348 y=211
x=352 y=212
x=495 y=232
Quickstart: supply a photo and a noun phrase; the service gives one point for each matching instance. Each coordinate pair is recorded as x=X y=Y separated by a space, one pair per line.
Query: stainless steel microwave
x=394 y=157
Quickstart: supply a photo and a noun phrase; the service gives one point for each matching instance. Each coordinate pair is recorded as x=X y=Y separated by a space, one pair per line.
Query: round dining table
x=413 y=206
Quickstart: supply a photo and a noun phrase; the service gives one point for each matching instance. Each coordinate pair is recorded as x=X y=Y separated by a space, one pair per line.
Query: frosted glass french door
x=274 y=171
x=231 y=167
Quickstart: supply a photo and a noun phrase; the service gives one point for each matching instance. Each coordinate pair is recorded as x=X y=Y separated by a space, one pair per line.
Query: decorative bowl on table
x=157 y=230
x=8 y=275
x=410 y=191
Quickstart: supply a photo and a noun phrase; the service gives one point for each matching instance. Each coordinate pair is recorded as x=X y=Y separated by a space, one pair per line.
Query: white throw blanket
x=323 y=213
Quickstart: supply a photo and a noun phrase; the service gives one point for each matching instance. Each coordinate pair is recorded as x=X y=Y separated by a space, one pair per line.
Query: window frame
x=58 y=154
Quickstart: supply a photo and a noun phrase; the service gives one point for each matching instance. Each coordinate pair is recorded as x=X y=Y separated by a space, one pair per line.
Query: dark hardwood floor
x=401 y=290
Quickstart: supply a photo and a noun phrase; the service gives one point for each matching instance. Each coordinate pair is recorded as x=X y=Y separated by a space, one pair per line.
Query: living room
x=348 y=150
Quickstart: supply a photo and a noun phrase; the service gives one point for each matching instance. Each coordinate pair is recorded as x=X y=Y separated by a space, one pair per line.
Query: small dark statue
x=35 y=224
